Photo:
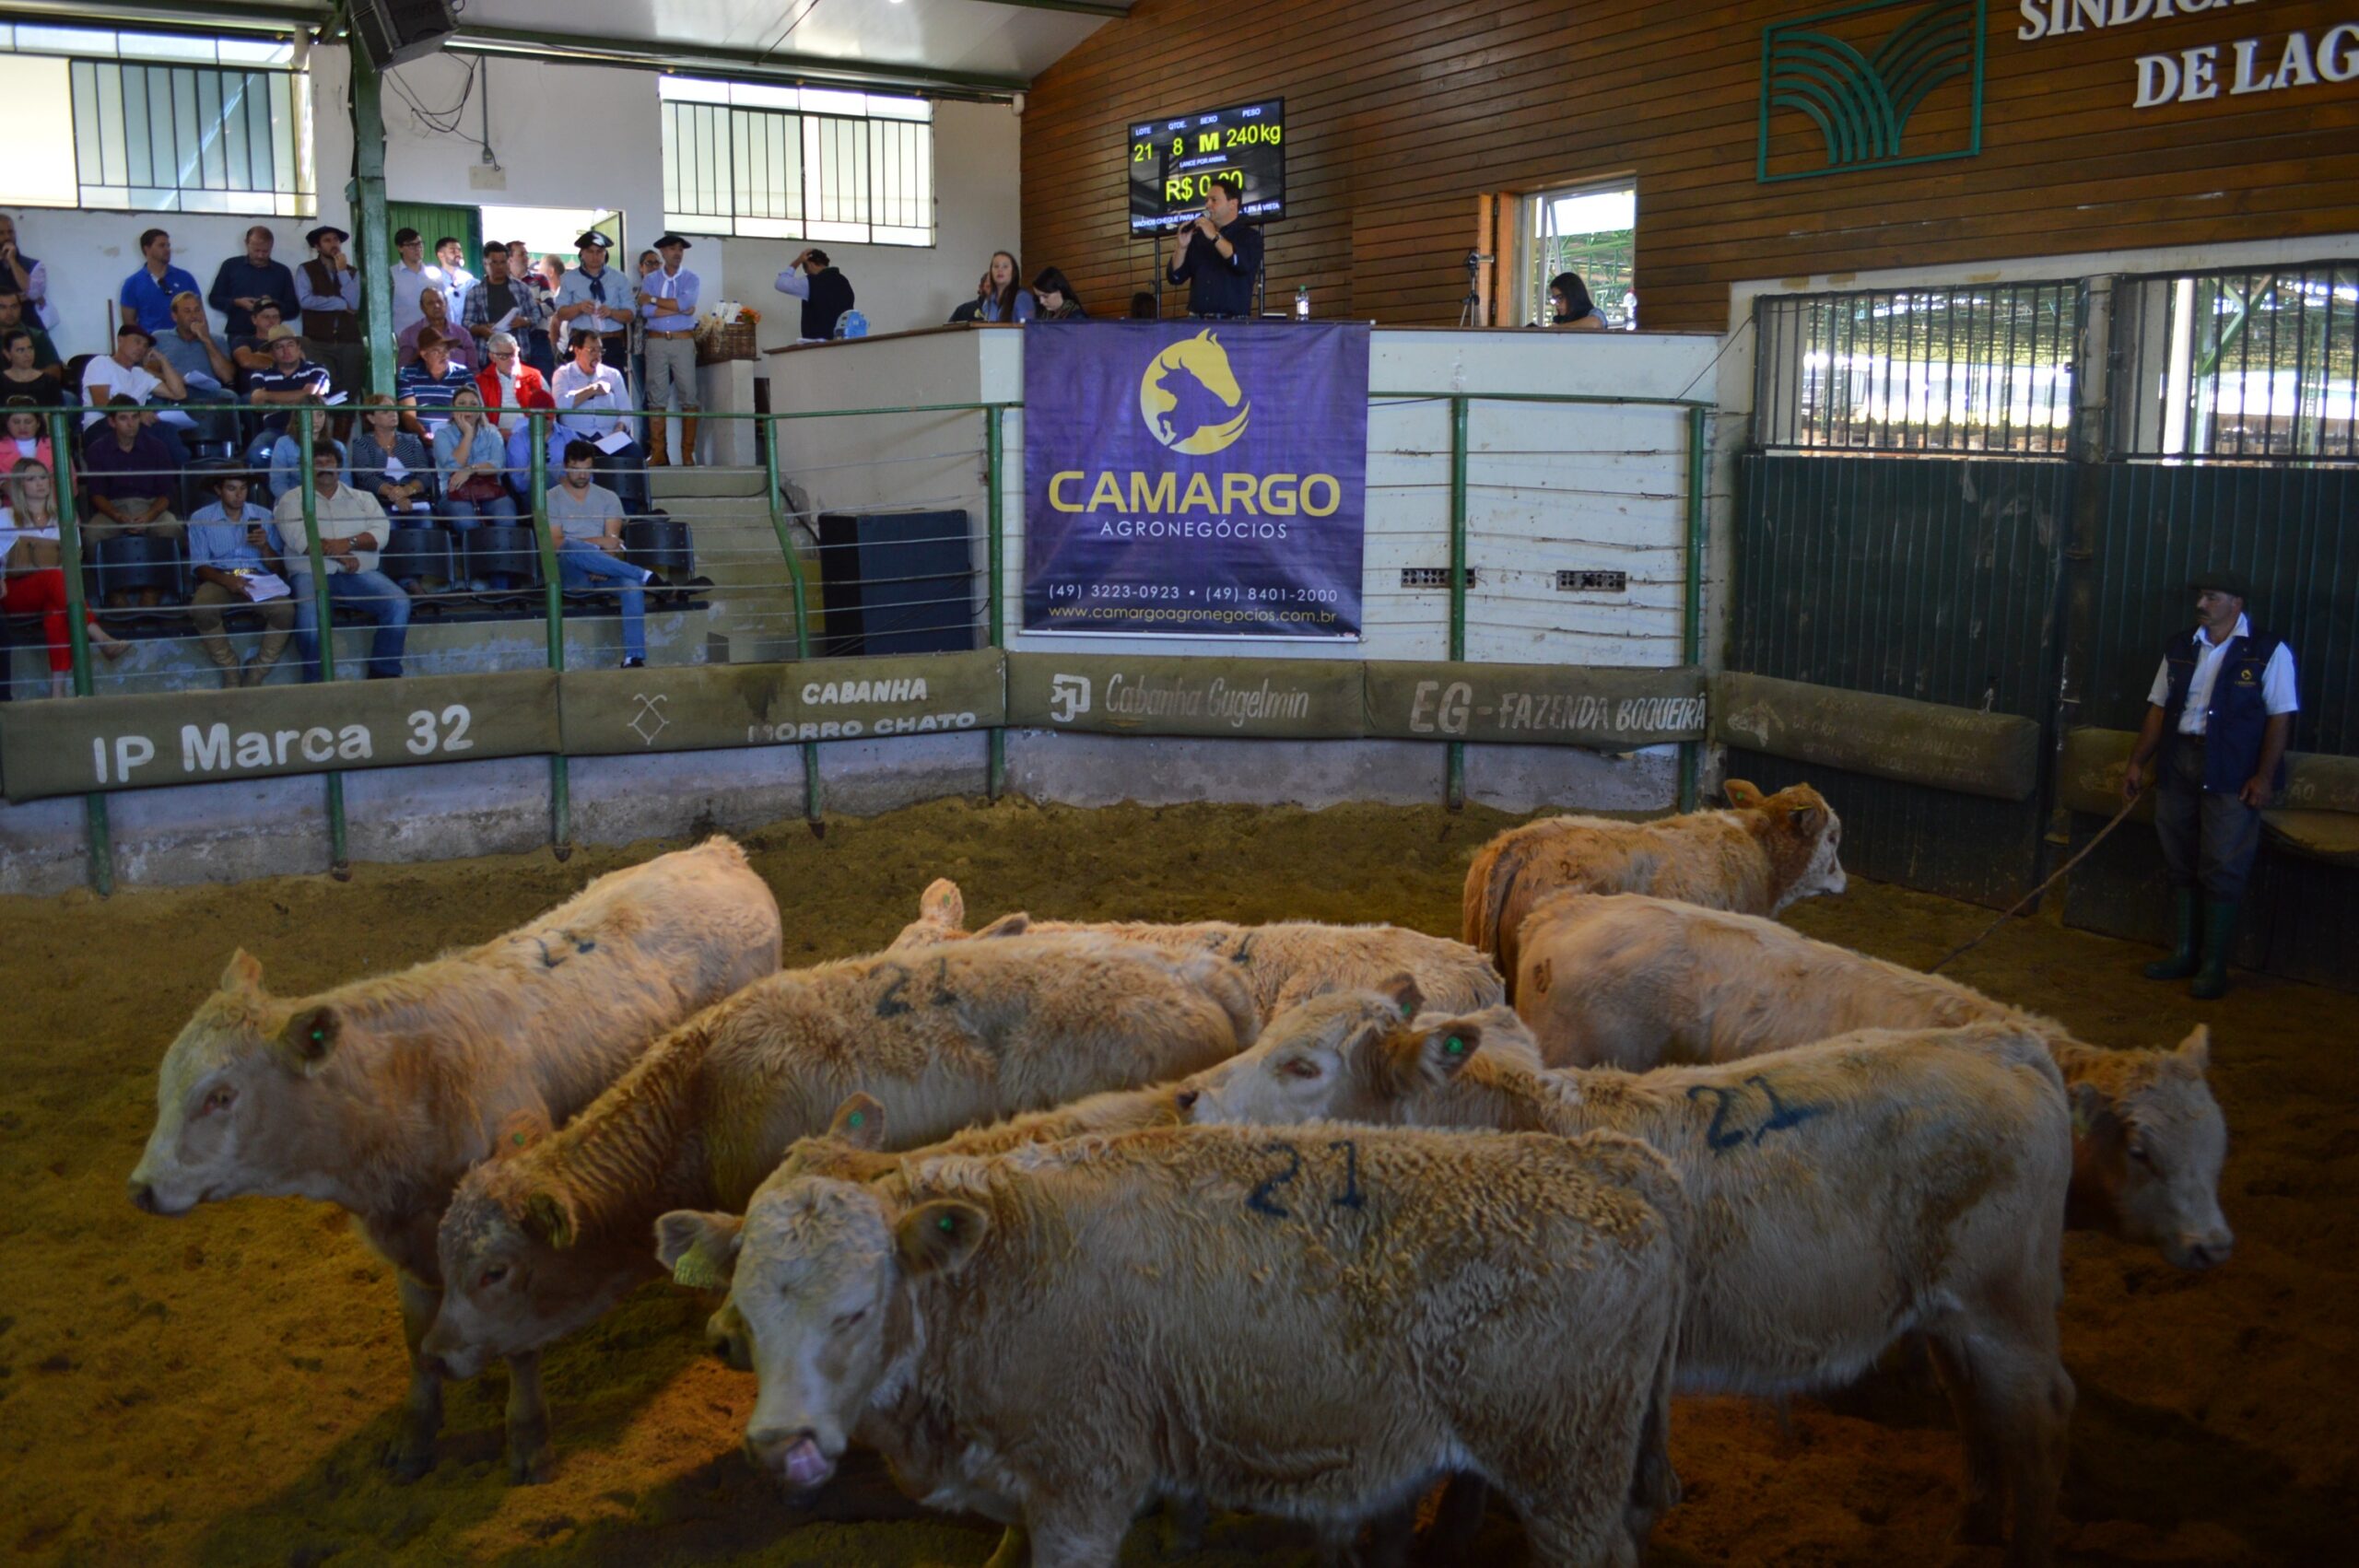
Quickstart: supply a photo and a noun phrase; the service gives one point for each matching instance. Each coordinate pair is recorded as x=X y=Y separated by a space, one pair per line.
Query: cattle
x=1631 y=982
x=1284 y=963
x=546 y=1238
x=1312 y=1326
x=1764 y=853
x=379 y=1095
x=1844 y=1194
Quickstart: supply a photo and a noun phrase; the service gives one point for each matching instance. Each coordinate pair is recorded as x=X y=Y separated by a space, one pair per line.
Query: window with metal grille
x=797 y=163
x=2261 y=363
x=154 y=121
x=1971 y=368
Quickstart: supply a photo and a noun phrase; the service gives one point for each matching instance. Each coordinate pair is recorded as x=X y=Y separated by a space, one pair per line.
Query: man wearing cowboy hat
x=592 y=300
x=2220 y=712
x=329 y=290
x=667 y=300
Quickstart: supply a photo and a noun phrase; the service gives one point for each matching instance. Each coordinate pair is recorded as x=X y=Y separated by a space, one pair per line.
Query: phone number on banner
x=1163 y=593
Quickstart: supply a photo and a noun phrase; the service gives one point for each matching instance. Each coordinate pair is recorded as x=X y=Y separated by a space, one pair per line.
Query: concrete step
x=676 y=484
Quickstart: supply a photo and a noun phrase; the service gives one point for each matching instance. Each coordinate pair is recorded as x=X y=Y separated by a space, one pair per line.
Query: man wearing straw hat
x=667 y=300
x=2220 y=712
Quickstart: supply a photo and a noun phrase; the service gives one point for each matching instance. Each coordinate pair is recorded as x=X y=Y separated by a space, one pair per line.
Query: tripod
x=1469 y=309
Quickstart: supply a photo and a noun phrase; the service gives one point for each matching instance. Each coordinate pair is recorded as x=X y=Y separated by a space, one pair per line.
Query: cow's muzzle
x=795 y=1457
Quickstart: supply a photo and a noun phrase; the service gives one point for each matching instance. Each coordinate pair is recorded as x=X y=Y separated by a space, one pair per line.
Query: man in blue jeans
x=352 y=530
x=586 y=526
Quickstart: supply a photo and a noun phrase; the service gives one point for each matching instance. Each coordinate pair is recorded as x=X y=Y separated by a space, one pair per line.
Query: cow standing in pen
x=1764 y=853
x=380 y=1095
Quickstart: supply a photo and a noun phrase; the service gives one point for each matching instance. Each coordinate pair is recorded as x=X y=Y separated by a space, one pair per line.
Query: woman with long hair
x=1058 y=301
x=32 y=555
x=472 y=457
x=1570 y=307
x=1004 y=299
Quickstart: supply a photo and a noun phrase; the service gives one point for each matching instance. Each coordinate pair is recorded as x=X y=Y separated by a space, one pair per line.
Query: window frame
x=726 y=145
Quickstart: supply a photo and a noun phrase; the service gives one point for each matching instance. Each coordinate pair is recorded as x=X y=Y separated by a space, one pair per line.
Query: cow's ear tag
x=946 y=1225
x=1453 y=1046
x=856 y=1119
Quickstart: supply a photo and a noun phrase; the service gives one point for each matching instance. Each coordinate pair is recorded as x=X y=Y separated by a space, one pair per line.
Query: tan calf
x=1286 y=963
x=539 y=1243
x=1632 y=982
x=377 y=1095
x=1844 y=1194
x=1312 y=1325
x=1766 y=852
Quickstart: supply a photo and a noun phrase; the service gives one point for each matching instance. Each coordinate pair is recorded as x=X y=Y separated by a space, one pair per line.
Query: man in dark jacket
x=2220 y=712
x=825 y=292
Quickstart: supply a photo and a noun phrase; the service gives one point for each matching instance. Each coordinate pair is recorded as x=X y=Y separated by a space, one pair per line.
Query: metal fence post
x=995 y=542
x=1454 y=795
x=323 y=624
x=1691 y=622
x=77 y=636
x=779 y=526
x=560 y=773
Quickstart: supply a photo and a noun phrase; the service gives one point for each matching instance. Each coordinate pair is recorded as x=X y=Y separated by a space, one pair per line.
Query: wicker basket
x=723 y=344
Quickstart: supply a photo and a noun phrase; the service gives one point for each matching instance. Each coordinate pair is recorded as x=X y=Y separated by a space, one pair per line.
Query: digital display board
x=1173 y=160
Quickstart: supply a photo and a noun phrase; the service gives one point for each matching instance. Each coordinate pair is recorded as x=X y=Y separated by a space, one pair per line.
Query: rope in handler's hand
x=2119 y=818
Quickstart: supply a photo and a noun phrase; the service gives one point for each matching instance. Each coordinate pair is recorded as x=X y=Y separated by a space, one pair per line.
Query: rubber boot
x=2185 y=914
x=688 y=441
x=2219 y=929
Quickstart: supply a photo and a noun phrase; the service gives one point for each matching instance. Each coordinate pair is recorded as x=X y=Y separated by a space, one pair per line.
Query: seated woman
x=469 y=455
x=1058 y=301
x=286 y=456
x=25 y=440
x=32 y=556
x=392 y=465
x=18 y=376
x=1005 y=298
x=1569 y=305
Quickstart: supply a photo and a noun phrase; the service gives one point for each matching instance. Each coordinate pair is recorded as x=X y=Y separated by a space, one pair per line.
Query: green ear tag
x=945 y=1224
x=1454 y=1047
x=517 y=1139
x=855 y=1119
x=318 y=1034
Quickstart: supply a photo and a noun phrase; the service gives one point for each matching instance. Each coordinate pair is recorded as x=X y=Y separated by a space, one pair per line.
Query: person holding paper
x=501 y=302
x=667 y=300
x=591 y=408
x=233 y=553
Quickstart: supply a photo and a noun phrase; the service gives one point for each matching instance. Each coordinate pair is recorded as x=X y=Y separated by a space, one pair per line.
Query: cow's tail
x=1225 y=983
x=1490 y=888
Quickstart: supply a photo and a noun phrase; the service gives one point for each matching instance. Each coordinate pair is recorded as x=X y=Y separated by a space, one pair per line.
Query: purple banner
x=1194 y=478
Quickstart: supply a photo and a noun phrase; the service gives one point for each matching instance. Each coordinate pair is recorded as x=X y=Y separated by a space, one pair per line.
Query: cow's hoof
x=532 y=1466
x=408 y=1460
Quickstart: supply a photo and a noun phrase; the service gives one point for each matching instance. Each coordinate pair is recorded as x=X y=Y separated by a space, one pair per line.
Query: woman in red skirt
x=34 y=562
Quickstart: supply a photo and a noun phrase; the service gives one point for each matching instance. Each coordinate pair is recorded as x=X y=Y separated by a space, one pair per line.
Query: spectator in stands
x=412 y=276
x=287 y=379
x=533 y=338
x=1569 y=305
x=244 y=282
x=591 y=403
x=24 y=437
x=32 y=555
x=1058 y=301
x=426 y=388
x=130 y=478
x=235 y=554
x=20 y=376
x=330 y=295
x=502 y=302
x=435 y=319
x=506 y=383
x=1219 y=255
x=1143 y=305
x=586 y=526
x=19 y=273
x=667 y=300
x=468 y=457
x=133 y=371
x=594 y=300
x=205 y=371
x=392 y=465
x=1005 y=298
x=520 y=442
x=352 y=530
x=450 y=255
x=286 y=451
x=147 y=293
x=972 y=309
x=15 y=318
x=825 y=292
x=251 y=354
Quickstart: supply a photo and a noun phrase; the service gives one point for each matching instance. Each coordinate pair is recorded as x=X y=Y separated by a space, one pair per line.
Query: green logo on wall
x=1869 y=87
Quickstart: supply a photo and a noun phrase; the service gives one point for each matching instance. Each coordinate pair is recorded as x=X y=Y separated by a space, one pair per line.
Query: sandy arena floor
x=215 y=1390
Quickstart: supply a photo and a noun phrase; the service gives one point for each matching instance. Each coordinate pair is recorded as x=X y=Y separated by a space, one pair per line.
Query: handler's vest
x=328 y=326
x=2237 y=716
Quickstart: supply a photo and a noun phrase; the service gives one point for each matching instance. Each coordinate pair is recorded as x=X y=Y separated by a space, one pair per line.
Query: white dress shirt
x=2276 y=679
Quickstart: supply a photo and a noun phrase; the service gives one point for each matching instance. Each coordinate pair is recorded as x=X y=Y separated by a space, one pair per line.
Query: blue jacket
x=2236 y=718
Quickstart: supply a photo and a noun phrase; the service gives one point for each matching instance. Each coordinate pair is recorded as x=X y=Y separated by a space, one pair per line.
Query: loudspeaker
x=896 y=582
x=397 y=30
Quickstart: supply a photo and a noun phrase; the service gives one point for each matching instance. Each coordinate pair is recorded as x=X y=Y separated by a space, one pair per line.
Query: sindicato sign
x=2269 y=61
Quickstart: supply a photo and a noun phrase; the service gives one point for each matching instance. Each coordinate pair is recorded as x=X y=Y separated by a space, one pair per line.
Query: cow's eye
x=1299 y=1067
x=220 y=1099
x=2140 y=1152
x=846 y=1319
x=492 y=1275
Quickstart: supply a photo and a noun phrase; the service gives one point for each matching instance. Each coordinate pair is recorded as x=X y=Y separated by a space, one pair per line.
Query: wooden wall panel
x=1401 y=113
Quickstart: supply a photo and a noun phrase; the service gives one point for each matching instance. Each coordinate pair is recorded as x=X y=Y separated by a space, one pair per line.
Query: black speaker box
x=896 y=582
x=397 y=30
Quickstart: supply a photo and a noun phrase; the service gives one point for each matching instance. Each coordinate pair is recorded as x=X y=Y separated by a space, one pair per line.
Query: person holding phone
x=1218 y=255
x=234 y=555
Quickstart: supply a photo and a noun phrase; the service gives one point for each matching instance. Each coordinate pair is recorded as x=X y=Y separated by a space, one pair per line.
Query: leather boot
x=2185 y=916
x=2219 y=929
x=659 y=441
x=689 y=441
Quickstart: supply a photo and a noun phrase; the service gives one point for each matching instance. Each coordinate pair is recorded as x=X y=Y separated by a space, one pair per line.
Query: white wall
x=566 y=136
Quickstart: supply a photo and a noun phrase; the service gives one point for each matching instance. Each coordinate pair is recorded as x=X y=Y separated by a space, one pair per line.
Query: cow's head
x=2148 y=1143
x=1802 y=836
x=942 y=917
x=1346 y=1055
x=821 y=1289
x=518 y=1273
x=243 y=1101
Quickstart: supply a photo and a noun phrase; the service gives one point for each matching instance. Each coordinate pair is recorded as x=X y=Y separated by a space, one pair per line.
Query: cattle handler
x=2220 y=713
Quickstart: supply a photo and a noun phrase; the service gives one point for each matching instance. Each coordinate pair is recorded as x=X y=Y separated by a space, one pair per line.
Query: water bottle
x=1302 y=303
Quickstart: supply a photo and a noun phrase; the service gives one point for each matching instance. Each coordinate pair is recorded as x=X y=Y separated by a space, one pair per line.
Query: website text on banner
x=1194 y=478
